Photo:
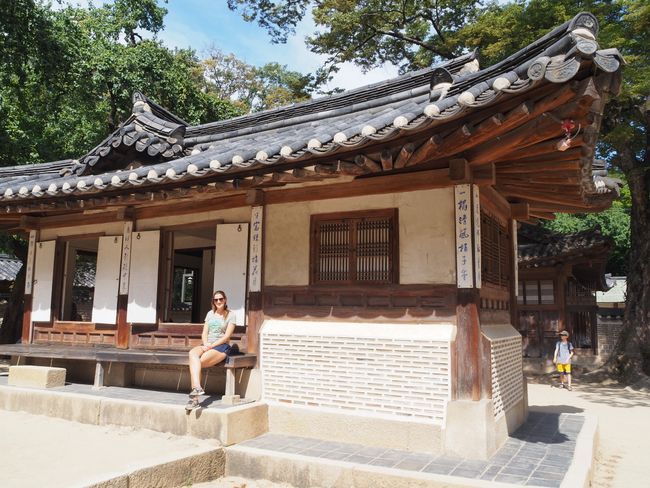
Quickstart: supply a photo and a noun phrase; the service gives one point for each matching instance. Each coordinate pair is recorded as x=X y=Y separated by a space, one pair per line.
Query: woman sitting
x=219 y=326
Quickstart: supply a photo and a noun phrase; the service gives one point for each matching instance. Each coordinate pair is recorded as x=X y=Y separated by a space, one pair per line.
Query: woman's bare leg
x=195 y=356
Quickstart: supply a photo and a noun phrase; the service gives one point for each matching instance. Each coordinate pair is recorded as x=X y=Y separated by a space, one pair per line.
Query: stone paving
x=538 y=454
x=138 y=394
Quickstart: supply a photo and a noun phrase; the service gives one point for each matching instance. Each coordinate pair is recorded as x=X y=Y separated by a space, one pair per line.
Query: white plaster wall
x=426 y=238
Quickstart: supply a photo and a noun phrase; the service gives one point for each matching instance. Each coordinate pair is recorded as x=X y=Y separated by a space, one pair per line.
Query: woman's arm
x=204 y=337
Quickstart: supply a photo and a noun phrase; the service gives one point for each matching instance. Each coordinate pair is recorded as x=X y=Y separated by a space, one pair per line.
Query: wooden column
x=26 y=335
x=255 y=312
x=468 y=354
x=123 y=329
x=468 y=349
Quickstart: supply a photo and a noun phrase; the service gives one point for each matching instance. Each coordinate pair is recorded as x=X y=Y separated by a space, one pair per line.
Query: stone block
x=36 y=376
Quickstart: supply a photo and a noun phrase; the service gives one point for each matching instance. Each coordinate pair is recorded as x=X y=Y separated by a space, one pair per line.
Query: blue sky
x=200 y=24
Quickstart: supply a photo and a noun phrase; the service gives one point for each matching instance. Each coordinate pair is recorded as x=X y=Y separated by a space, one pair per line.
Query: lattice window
x=354 y=247
x=495 y=251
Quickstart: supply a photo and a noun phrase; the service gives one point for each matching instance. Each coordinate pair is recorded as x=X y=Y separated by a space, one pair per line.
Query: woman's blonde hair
x=214 y=307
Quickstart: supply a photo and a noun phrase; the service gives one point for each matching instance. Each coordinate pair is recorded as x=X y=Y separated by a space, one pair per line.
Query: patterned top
x=217 y=325
x=564 y=350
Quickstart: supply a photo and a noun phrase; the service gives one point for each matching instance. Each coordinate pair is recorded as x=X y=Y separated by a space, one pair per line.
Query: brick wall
x=395 y=370
x=608 y=330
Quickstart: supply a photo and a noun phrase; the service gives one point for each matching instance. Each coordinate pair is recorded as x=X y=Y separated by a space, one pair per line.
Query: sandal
x=192 y=404
x=197 y=392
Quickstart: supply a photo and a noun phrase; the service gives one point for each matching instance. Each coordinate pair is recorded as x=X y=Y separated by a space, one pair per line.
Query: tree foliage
x=407 y=33
x=68 y=76
x=256 y=88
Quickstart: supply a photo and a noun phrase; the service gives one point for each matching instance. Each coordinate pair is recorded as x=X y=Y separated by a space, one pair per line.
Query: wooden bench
x=103 y=355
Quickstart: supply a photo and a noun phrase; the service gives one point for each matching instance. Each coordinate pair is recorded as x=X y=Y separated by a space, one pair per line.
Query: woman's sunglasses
x=218 y=299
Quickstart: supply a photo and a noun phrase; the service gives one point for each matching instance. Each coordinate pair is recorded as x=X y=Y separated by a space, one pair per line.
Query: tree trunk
x=631 y=356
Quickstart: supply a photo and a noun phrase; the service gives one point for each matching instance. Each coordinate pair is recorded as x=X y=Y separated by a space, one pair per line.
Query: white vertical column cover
x=476 y=218
x=107 y=279
x=255 y=250
x=231 y=254
x=29 y=272
x=43 y=278
x=143 y=277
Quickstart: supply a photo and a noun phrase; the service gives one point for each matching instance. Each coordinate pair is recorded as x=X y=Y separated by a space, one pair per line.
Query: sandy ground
x=623 y=425
x=38 y=451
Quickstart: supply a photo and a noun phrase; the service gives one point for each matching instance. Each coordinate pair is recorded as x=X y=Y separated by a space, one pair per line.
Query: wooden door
x=231 y=258
x=143 y=281
x=43 y=280
x=107 y=280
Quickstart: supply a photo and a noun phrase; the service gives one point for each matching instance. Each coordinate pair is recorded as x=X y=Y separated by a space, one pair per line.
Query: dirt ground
x=623 y=425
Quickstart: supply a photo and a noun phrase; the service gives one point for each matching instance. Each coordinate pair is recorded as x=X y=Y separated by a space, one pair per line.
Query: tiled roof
x=539 y=246
x=9 y=267
x=293 y=136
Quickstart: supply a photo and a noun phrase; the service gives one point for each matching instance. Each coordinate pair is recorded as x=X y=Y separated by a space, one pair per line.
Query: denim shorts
x=225 y=348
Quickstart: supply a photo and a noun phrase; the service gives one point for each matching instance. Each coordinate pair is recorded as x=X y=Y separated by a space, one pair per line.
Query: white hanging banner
x=107 y=279
x=464 y=262
x=143 y=277
x=476 y=218
x=29 y=270
x=43 y=280
x=230 y=259
x=255 y=246
x=126 y=258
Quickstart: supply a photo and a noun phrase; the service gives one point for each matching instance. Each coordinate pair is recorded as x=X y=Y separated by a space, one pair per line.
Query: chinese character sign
x=464 y=262
x=477 y=235
x=31 y=252
x=126 y=258
x=255 y=255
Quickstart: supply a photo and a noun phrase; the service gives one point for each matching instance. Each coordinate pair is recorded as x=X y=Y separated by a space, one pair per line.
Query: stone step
x=307 y=463
x=36 y=376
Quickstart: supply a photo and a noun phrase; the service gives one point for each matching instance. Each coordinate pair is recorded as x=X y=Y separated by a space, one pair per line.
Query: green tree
x=412 y=34
x=66 y=80
x=257 y=88
x=407 y=33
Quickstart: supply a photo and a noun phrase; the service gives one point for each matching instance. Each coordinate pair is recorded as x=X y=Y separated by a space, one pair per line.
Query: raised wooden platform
x=106 y=354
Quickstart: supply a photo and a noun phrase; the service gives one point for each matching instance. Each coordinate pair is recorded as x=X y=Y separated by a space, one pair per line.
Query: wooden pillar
x=468 y=346
x=26 y=334
x=123 y=329
x=255 y=198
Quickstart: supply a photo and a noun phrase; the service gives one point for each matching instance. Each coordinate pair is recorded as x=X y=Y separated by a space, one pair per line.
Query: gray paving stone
x=336 y=455
x=542 y=482
x=509 y=478
x=549 y=474
x=467 y=472
x=313 y=452
x=387 y=463
x=412 y=464
x=516 y=471
x=356 y=458
x=436 y=468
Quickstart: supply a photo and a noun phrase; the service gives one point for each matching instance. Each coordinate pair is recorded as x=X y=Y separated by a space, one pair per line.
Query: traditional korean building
x=559 y=275
x=365 y=239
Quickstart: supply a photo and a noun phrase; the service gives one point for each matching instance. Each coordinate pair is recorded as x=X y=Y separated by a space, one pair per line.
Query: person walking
x=219 y=326
x=562 y=359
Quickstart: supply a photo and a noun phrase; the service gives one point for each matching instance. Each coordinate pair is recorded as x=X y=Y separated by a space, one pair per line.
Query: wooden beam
x=485 y=175
x=255 y=197
x=459 y=171
x=386 y=160
x=542 y=215
x=74 y=220
x=520 y=211
x=404 y=155
x=392 y=183
x=371 y=165
x=425 y=151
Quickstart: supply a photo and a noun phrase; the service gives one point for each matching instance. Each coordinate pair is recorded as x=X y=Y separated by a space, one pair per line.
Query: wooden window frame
x=390 y=214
